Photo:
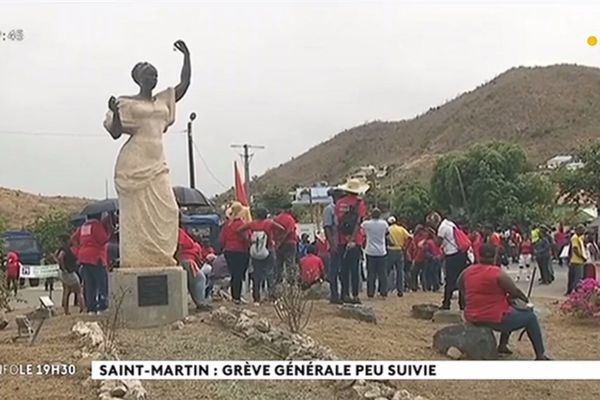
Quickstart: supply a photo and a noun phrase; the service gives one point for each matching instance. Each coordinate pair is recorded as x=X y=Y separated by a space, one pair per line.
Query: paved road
x=29 y=296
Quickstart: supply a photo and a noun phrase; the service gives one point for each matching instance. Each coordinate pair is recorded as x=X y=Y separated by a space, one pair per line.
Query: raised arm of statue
x=186 y=71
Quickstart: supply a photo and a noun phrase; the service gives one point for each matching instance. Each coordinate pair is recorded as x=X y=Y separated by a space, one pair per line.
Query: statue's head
x=145 y=75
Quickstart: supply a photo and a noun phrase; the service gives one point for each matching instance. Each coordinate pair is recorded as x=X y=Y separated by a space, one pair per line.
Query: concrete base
x=155 y=296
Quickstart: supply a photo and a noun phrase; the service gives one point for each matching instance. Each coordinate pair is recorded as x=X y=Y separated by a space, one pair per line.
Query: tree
x=48 y=230
x=411 y=203
x=274 y=198
x=491 y=183
x=575 y=185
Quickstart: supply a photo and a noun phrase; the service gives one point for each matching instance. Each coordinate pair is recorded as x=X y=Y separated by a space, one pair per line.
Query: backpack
x=463 y=243
x=258 y=247
x=348 y=219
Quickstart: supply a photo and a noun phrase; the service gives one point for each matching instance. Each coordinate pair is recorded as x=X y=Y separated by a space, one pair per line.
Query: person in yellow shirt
x=398 y=239
x=577 y=260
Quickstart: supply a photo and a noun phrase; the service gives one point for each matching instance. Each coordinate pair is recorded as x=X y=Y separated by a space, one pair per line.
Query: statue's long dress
x=148 y=213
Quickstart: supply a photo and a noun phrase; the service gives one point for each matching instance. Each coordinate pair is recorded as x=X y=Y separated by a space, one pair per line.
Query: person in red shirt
x=92 y=238
x=262 y=234
x=189 y=256
x=13 y=270
x=286 y=244
x=235 y=249
x=494 y=238
x=476 y=243
x=312 y=269
x=418 y=254
x=350 y=211
x=433 y=264
x=491 y=299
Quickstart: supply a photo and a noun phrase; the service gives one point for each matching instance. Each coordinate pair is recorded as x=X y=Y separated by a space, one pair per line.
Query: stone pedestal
x=155 y=296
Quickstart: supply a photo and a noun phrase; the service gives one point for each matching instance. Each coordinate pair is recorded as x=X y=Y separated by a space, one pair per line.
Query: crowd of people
x=358 y=245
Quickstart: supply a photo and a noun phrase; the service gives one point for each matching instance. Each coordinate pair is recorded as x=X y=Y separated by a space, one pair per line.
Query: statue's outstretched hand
x=182 y=47
x=112 y=104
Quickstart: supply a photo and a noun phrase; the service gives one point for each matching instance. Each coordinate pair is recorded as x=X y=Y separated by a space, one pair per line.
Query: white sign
x=347 y=370
x=40 y=271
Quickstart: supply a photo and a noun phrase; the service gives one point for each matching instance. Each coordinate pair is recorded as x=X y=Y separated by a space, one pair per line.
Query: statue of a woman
x=148 y=213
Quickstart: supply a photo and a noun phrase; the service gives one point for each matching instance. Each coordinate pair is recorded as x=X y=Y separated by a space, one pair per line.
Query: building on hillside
x=563 y=160
x=366 y=172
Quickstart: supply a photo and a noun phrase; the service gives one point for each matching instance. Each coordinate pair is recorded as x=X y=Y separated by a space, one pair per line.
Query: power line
x=208 y=168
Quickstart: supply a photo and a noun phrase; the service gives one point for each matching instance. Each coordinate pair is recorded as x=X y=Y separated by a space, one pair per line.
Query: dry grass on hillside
x=549 y=111
x=18 y=209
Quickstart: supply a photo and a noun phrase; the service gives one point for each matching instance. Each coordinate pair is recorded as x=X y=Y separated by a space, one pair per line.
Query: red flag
x=240 y=190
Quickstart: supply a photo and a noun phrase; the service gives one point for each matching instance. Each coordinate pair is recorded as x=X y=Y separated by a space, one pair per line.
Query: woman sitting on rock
x=492 y=300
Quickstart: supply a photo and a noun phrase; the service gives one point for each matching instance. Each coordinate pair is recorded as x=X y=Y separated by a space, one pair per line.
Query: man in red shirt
x=492 y=300
x=494 y=238
x=287 y=244
x=350 y=212
x=189 y=256
x=312 y=269
x=92 y=238
x=262 y=234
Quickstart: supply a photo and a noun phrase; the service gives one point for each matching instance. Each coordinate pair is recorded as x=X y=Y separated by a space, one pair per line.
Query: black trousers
x=455 y=264
x=350 y=271
x=237 y=262
x=376 y=271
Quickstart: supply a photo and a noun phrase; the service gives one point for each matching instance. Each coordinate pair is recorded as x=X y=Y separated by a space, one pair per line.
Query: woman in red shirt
x=312 y=269
x=235 y=249
x=489 y=293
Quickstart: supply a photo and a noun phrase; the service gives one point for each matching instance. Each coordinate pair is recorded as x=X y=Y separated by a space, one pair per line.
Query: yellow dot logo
x=592 y=40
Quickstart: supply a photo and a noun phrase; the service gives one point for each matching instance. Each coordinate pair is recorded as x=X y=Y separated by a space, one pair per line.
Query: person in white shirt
x=376 y=230
x=455 y=260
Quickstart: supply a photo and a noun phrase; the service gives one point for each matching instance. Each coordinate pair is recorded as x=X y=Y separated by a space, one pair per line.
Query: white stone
x=177 y=325
x=90 y=331
x=454 y=353
x=249 y=313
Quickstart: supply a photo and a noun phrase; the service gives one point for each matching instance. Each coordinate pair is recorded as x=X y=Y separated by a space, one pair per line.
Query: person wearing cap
x=286 y=244
x=455 y=260
x=493 y=300
x=398 y=240
x=331 y=235
x=350 y=211
x=235 y=248
x=578 y=259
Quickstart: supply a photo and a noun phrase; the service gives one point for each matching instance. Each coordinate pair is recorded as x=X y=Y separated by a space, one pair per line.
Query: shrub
x=584 y=302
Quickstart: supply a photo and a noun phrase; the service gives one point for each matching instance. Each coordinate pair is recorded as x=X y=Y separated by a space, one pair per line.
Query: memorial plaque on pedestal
x=153 y=290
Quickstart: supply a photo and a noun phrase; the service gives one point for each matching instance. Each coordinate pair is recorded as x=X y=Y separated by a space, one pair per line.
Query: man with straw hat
x=350 y=211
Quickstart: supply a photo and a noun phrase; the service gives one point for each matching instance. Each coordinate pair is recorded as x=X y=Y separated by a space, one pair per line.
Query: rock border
x=94 y=347
x=293 y=346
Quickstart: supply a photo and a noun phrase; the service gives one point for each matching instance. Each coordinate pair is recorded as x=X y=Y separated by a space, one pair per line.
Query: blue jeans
x=335 y=261
x=396 y=264
x=196 y=285
x=432 y=280
x=95 y=286
x=519 y=319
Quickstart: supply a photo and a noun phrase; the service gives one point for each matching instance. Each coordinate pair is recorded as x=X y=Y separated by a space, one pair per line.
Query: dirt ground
x=53 y=345
x=397 y=336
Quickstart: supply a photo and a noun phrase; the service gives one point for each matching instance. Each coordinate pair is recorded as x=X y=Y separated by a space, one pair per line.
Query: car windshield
x=23 y=245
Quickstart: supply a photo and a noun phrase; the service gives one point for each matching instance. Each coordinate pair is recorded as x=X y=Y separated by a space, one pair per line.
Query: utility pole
x=191 y=151
x=247 y=158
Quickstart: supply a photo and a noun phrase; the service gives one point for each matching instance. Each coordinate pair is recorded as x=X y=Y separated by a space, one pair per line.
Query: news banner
x=336 y=370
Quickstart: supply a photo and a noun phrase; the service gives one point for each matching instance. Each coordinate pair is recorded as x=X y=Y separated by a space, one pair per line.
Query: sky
x=286 y=75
